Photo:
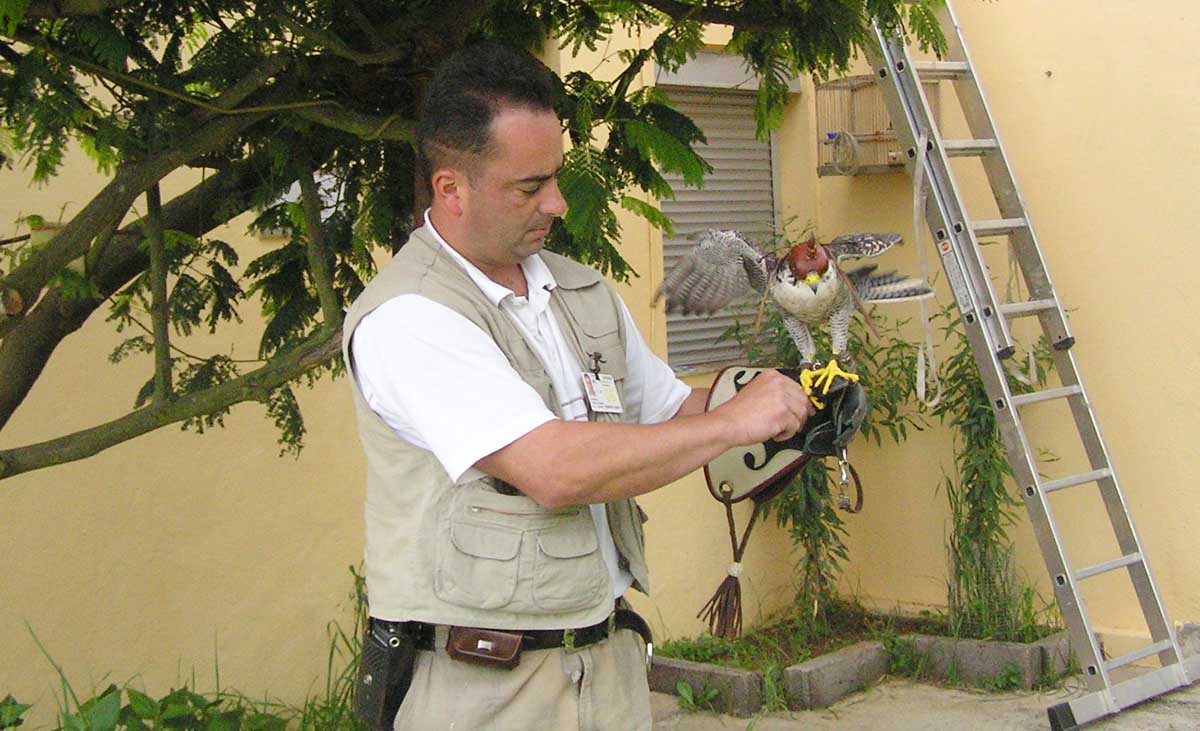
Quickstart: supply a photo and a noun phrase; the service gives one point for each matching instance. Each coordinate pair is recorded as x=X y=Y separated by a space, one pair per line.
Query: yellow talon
x=823 y=378
x=807 y=379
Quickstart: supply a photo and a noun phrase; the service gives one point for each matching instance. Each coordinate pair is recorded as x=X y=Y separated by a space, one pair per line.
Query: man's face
x=512 y=196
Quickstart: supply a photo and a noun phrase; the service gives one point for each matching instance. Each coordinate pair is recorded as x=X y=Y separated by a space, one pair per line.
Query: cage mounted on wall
x=854 y=131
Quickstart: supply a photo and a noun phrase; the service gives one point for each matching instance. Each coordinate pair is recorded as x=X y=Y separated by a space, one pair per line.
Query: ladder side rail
x=936 y=216
x=997 y=168
x=1154 y=610
x=1039 y=285
x=983 y=348
x=979 y=118
x=1025 y=473
x=912 y=92
x=1066 y=586
x=907 y=87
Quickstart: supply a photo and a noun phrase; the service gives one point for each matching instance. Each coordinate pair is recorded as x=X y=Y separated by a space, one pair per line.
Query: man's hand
x=577 y=463
x=772 y=406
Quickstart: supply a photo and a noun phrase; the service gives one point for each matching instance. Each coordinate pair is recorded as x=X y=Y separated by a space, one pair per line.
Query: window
x=738 y=194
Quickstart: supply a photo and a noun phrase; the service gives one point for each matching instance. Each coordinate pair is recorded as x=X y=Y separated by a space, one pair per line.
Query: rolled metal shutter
x=738 y=194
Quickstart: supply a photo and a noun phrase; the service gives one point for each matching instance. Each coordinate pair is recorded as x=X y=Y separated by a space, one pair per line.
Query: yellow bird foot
x=821 y=380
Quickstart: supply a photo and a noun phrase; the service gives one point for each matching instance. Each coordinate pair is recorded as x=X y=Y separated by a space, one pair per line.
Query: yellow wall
x=1102 y=137
x=151 y=558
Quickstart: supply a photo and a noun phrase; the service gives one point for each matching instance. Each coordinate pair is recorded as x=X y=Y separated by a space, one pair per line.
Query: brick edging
x=822 y=681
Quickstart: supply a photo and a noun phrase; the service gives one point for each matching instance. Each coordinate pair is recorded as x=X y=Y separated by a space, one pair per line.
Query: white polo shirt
x=443 y=385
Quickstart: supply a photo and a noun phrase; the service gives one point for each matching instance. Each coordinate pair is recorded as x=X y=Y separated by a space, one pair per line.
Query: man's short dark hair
x=465 y=93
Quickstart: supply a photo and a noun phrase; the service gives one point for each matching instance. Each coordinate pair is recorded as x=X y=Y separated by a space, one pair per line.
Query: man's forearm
x=574 y=463
x=599 y=462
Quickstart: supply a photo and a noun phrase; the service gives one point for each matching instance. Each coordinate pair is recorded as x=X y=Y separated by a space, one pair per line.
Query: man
x=510 y=412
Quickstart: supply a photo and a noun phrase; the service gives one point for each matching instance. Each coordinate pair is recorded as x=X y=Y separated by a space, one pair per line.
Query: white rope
x=735 y=569
x=926 y=360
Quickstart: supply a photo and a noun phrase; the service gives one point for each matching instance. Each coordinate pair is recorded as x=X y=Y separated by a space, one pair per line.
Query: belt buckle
x=570 y=635
x=569 y=642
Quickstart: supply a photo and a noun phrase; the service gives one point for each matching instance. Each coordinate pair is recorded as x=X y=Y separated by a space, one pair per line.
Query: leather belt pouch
x=487 y=647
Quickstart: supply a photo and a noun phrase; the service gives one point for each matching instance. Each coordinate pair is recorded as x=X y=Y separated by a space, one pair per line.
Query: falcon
x=807 y=285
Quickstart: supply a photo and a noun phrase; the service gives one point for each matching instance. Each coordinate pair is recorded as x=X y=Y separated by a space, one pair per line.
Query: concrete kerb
x=739 y=692
x=820 y=682
x=977 y=662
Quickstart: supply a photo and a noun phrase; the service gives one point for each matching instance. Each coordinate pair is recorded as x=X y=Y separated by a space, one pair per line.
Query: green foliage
x=1009 y=678
x=285 y=412
x=904 y=659
x=11 y=712
x=985 y=599
x=696 y=699
x=126 y=708
x=774 y=689
x=137 y=86
x=784 y=639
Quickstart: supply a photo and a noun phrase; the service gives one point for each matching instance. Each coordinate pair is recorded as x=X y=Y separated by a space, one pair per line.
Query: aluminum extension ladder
x=986 y=322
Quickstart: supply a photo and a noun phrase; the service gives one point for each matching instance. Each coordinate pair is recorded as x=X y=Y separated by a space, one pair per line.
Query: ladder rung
x=968 y=148
x=1102 y=568
x=1093 y=476
x=934 y=70
x=1022 y=309
x=1047 y=395
x=998 y=227
x=1136 y=655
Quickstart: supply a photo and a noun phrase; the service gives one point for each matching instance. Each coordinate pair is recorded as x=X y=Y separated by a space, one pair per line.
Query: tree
x=264 y=96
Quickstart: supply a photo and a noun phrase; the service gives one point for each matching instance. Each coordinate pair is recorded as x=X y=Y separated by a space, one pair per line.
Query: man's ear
x=449 y=185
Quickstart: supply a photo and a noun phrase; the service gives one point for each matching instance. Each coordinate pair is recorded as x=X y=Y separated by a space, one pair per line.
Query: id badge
x=601 y=392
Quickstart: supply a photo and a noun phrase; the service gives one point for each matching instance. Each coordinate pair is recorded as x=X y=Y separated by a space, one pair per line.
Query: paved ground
x=900 y=705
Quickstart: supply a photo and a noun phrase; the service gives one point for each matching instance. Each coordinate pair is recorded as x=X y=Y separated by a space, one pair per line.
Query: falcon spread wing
x=861 y=246
x=889 y=286
x=807 y=285
x=720 y=269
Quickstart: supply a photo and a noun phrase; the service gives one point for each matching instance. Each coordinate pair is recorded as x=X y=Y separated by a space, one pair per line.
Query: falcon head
x=809 y=263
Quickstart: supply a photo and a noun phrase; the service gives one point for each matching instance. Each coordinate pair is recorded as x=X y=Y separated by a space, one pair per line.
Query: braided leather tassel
x=723 y=612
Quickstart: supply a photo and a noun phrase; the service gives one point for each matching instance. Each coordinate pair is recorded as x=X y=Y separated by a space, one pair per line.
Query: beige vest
x=468 y=554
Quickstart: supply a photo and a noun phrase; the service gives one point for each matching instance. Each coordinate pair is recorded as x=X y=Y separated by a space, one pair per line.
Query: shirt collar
x=538 y=277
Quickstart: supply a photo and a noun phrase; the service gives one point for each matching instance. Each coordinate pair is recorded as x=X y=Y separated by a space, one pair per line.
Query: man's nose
x=553 y=204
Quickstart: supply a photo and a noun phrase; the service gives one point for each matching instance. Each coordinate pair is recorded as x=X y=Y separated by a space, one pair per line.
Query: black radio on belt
x=388 y=656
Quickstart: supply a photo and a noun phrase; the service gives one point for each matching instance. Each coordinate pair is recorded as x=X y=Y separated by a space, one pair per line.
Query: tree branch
x=243 y=87
x=159 y=320
x=366 y=126
x=238 y=91
x=109 y=206
x=25 y=351
x=317 y=350
x=318 y=252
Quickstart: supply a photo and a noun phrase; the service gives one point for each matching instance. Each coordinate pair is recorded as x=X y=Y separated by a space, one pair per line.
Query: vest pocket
x=569 y=573
x=478 y=566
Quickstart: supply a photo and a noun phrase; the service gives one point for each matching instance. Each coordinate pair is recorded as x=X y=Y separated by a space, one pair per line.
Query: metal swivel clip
x=843 y=500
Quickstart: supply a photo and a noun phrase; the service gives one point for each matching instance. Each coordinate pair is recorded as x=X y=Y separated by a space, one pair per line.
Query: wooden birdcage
x=854 y=131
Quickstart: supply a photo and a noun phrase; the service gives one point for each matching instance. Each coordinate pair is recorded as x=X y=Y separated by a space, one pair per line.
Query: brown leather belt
x=422 y=633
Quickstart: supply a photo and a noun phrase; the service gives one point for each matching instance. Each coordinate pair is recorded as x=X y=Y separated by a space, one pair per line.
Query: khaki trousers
x=599 y=688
